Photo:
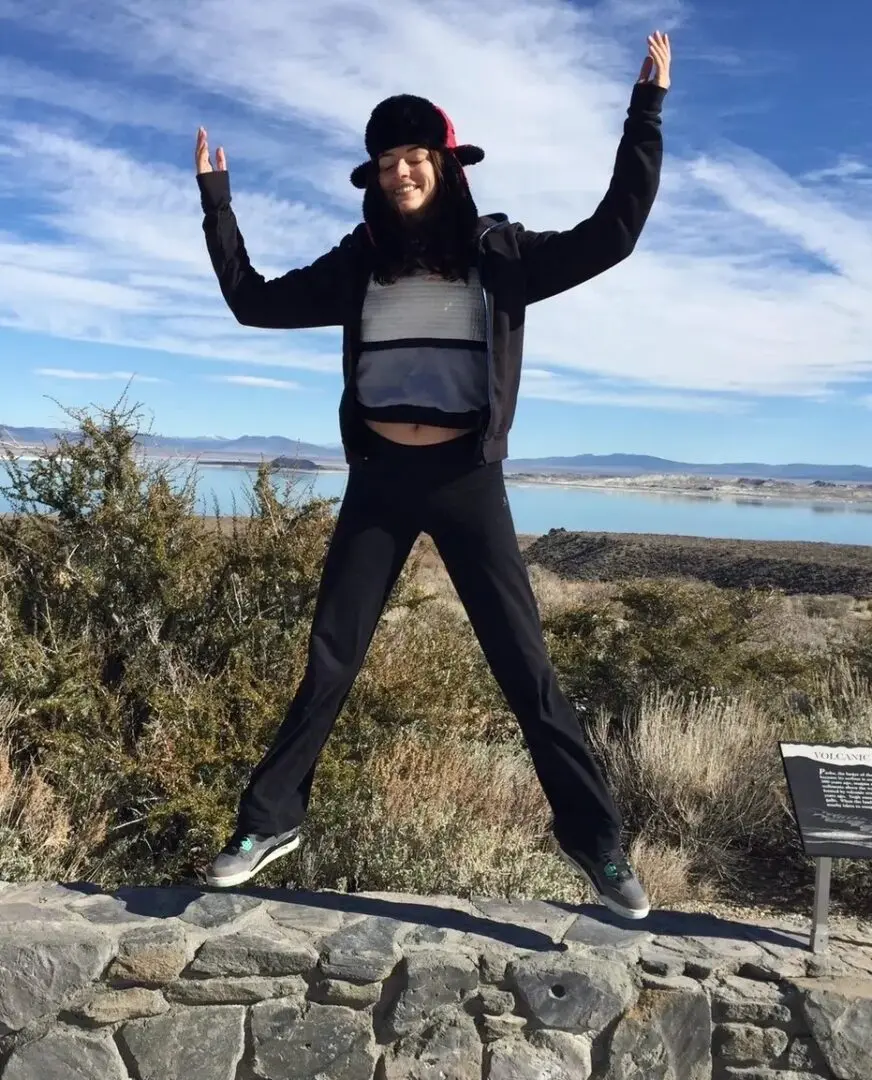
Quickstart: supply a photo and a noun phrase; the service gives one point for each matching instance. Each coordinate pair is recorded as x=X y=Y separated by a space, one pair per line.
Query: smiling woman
x=431 y=298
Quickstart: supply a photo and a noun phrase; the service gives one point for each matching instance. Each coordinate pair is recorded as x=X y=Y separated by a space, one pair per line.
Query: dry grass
x=840 y=707
x=40 y=837
x=553 y=593
x=466 y=819
x=699 y=774
x=448 y=816
x=667 y=872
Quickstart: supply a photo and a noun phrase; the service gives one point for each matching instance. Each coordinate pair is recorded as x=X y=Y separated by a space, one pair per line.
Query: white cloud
x=553 y=386
x=746 y=282
x=846 y=168
x=255 y=380
x=95 y=376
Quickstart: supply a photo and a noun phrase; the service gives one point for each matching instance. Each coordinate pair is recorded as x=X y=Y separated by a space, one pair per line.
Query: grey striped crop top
x=423 y=353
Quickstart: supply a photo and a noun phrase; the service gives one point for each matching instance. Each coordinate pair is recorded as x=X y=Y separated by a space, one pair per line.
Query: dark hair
x=440 y=238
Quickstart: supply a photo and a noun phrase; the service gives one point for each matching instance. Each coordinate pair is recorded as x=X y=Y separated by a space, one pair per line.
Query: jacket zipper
x=489 y=337
x=358 y=296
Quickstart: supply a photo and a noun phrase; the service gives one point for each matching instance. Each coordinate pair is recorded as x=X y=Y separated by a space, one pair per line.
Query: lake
x=536 y=508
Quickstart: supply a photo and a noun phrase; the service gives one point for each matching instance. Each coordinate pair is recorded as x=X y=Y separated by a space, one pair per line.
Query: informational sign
x=831 y=789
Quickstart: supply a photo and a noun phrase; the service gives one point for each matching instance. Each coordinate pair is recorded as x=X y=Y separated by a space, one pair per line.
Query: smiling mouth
x=398 y=192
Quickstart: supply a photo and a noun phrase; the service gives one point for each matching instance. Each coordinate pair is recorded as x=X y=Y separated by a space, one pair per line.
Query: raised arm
x=556 y=261
x=307 y=297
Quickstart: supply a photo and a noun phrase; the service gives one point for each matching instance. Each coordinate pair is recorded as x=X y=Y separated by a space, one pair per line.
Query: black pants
x=390 y=498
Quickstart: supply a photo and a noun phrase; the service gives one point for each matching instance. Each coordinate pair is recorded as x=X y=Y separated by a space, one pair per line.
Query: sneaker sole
x=228 y=881
x=606 y=901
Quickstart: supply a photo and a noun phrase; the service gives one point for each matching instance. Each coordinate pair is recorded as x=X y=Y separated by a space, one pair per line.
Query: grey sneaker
x=612 y=879
x=247 y=853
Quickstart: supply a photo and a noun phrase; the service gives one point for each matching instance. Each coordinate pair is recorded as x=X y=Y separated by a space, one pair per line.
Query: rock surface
x=180 y=983
x=573 y=994
x=325 y=1040
x=150 y=955
x=667 y=1035
x=839 y=1017
x=187 y=1044
x=67 y=1055
x=42 y=965
x=445 y=1045
x=112 y=1006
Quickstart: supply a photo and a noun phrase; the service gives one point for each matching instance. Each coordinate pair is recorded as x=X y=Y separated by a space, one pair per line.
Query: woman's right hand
x=201 y=155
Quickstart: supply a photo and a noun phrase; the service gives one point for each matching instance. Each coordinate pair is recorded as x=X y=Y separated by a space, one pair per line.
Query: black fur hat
x=414 y=121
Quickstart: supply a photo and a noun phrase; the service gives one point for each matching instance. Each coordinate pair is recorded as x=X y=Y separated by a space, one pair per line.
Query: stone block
x=572 y=1052
x=352 y=995
x=44 y=967
x=26 y=911
x=488 y=1001
x=596 y=934
x=365 y=951
x=447 y=1046
x=113 y=1006
x=803 y=1056
x=307 y=918
x=187 y=1044
x=657 y=960
x=839 y=1017
x=538 y=915
x=251 y=952
x=291 y=1043
x=737 y=1072
x=517 y=1059
x=666 y=1035
x=505 y=1026
x=745 y=1044
x=772 y=966
x=247 y=990
x=580 y=994
x=736 y=1000
x=218 y=909
x=493 y=962
x=50 y=893
x=109 y=911
x=65 y=1054
x=670 y=982
x=430 y=980
x=150 y=955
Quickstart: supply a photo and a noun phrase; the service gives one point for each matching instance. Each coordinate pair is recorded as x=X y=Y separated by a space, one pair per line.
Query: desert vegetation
x=147 y=654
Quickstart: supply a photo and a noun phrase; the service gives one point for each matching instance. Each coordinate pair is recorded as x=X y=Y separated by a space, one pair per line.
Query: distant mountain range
x=272 y=446
x=642 y=464
x=267 y=446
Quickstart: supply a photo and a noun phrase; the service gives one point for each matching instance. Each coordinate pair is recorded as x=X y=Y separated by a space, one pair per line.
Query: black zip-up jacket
x=517 y=267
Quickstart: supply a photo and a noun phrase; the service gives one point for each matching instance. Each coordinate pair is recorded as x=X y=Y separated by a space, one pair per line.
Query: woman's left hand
x=655 y=68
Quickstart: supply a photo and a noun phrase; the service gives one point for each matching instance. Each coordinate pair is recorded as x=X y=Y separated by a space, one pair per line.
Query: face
x=407 y=178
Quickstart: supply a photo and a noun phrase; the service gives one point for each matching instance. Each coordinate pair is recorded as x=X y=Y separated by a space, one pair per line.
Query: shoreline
x=744 y=490
x=684 y=486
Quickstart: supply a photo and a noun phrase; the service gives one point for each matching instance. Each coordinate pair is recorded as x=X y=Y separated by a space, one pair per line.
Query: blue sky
x=741 y=328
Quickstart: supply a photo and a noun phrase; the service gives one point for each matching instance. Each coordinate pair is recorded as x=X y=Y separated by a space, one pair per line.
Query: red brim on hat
x=466 y=155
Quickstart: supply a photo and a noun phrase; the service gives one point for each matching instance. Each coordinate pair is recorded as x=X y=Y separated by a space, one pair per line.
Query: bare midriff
x=415 y=434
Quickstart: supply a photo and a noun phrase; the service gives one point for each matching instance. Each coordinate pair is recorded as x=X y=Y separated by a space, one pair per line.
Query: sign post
x=831 y=790
x=820 y=932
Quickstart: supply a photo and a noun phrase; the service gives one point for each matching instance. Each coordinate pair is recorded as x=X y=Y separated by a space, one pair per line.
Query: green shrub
x=686 y=637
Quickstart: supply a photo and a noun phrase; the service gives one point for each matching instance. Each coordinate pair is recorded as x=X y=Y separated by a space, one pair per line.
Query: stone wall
x=150 y=984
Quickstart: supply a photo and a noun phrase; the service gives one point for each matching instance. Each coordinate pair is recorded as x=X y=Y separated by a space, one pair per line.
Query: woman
x=431 y=299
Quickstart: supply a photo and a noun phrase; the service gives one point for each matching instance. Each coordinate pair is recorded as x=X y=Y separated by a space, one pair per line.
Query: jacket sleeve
x=556 y=261
x=307 y=297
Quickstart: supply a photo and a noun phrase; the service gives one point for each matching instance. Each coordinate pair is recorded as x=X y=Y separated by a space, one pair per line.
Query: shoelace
x=240 y=843
x=616 y=868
